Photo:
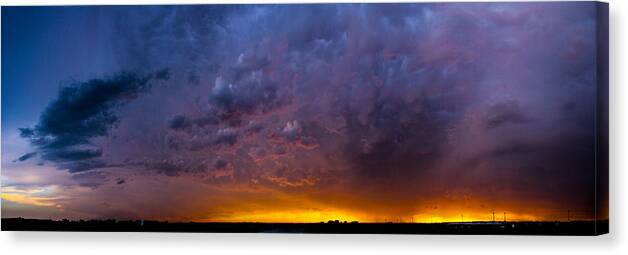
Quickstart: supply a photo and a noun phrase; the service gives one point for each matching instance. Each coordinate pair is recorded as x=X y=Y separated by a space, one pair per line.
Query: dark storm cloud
x=390 y=103
x=181 y=122
x=178 y=122
x=26 y=156
x=503 y=113
x=395 y=139
x=186 y=34
x=92 y=180
x=81 y=112
x=70 y=155
x=82 y=165
x=220 y=164
x=383 y=103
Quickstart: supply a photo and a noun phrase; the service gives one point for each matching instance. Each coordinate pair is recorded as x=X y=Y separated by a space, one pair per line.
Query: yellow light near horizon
x=28 y=200
x=443 y=217
x=315 y=216
x=306 y=216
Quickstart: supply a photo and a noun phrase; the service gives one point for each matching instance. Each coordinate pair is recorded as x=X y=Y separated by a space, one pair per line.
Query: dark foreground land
x=466 y=228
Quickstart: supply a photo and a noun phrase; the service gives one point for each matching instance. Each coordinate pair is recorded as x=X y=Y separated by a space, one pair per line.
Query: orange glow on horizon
x=291 y=216
x=288 y=208
x=314 y=216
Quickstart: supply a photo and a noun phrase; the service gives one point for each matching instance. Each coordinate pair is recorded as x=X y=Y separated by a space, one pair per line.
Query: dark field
x=468 y=228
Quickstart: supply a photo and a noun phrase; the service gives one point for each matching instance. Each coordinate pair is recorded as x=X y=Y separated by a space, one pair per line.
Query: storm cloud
x=388 y=108
x=81 y=112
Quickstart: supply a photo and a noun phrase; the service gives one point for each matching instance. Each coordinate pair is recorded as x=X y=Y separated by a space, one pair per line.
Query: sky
x=300 y=113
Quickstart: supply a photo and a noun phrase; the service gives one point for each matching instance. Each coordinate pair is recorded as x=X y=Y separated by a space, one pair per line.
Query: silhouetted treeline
x=471 y=228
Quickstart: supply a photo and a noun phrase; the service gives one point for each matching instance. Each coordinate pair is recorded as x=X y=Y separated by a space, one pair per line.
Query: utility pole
x=493 y=215
x=504 y=217
x=461 y=218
